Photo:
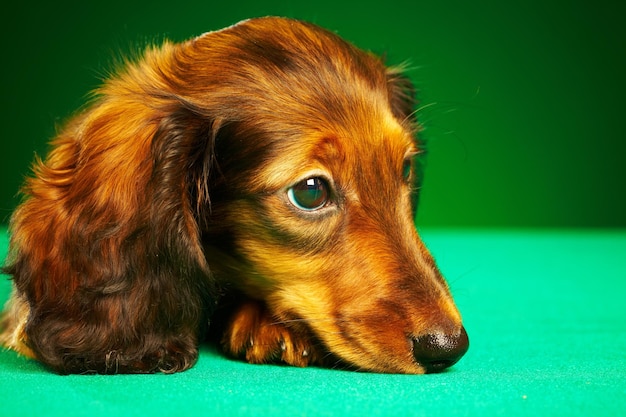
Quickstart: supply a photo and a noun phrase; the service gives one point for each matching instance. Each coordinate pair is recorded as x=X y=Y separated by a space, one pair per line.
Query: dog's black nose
x=438 y=351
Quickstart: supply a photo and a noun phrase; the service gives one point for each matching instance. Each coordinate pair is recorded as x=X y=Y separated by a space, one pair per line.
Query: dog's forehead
x=379 y=146
x=283 y=57
x=302 y=97
x=284 y=69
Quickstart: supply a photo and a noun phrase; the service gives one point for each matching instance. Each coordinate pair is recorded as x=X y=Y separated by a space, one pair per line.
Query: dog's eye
x=309 y=194
x=406 y=169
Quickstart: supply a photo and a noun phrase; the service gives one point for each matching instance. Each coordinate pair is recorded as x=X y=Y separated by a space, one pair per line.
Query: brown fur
x=169 y=195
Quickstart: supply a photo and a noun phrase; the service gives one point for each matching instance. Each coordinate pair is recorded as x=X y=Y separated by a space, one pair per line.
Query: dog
x=256 y=183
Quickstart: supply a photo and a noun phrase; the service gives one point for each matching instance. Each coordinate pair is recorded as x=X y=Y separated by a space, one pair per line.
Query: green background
x=522 y=104
x=524 y=101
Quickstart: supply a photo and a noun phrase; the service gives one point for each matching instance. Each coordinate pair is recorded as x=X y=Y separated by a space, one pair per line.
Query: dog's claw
x=253 y=334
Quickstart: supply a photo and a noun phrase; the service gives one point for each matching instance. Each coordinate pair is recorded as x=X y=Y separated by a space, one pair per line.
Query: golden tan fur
x=169 y=202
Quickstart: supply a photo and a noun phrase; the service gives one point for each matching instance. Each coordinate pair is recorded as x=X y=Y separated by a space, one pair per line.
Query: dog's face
x=311 y=203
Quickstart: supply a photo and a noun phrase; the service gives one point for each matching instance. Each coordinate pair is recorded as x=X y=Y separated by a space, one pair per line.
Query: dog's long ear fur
x=106 y=246
x=402 y=97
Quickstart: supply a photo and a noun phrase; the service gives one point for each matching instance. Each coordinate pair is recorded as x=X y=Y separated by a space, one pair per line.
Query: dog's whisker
x=423 y=107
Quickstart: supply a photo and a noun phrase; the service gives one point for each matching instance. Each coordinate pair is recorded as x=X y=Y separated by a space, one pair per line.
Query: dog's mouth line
x=353 y=348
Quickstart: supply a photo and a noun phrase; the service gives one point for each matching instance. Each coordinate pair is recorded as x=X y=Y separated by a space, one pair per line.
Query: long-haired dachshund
x=261 y=179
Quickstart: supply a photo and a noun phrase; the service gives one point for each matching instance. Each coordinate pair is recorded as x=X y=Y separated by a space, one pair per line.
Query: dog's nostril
x=438 y=351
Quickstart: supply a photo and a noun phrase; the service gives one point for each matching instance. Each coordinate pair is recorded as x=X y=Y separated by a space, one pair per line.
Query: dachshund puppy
x=260 y=178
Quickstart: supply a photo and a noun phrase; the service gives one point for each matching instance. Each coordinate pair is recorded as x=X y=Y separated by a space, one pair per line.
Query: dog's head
x=304 y=187
x=284 y=159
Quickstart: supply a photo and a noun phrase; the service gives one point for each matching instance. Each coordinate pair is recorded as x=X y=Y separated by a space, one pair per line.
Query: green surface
x=523 y=110
x=546 y=316
x=523 y=101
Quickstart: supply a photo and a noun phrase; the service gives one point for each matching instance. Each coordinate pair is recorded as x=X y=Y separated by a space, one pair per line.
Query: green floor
x=546 y=315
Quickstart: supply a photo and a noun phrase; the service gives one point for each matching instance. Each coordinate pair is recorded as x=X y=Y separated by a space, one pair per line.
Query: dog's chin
x=350 y=356
x=376 y=365
x=367 y=337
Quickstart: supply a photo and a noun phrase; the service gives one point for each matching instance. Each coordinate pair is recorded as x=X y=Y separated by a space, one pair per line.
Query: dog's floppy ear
x=110 y=225
x=183 y=159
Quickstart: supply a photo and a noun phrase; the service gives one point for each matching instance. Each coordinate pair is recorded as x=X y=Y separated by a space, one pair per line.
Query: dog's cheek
x=285 y=275
x=356 y=329
x=306 y=300
x=270 y=245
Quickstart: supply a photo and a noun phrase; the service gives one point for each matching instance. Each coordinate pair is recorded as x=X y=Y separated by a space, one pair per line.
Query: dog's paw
x=254 y=335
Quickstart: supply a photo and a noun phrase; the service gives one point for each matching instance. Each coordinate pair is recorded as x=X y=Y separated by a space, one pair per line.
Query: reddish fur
x=169 y=191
